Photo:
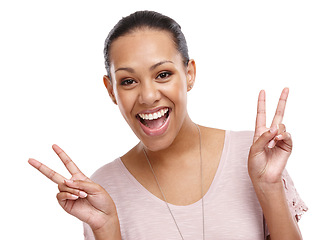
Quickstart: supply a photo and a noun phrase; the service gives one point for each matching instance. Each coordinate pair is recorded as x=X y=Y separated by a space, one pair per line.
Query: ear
x=108 y=84
x=191 y=74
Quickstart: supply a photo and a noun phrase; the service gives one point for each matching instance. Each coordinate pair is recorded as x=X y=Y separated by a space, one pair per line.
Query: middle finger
x=279 y=114
x=69 y=164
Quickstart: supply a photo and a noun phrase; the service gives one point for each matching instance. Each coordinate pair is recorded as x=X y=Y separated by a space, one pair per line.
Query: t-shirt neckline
x=212 y=187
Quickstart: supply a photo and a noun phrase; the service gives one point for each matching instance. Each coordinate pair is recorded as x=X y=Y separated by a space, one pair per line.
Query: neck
x=185 y=144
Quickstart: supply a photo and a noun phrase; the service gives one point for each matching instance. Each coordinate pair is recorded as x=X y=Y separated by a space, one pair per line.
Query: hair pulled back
x=146 y=19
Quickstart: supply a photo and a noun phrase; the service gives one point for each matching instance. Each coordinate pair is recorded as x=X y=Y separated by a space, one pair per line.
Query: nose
x=149 y=93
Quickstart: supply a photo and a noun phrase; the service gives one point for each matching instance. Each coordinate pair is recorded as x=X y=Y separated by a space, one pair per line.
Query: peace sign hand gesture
x=271 y=146
x=79 y=196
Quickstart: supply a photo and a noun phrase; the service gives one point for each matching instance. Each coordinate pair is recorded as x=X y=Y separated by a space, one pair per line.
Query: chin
x=156 y=145
x=155 y=128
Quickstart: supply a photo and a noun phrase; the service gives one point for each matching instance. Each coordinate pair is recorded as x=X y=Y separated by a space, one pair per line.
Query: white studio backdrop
x=51 y=91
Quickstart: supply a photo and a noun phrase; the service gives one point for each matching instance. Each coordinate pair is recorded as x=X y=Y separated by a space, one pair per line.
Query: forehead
x=143 y=46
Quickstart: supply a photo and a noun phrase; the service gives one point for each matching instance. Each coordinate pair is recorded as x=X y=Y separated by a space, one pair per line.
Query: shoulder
x=231 y=145
x=241 y=138
x=238 y=143
x=115 y=179
x=215 y=132
x=235 y=138
x=107 y=172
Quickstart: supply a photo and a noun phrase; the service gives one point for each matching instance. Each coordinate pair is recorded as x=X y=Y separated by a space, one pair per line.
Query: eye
x=164 y=75
x=127 y=82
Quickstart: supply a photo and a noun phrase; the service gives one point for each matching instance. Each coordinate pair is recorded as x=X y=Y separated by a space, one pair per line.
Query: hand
x=79 y=196
x=271 y=146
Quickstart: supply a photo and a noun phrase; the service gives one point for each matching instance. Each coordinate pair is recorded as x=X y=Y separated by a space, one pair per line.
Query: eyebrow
x=159 y=63
x=154 y=66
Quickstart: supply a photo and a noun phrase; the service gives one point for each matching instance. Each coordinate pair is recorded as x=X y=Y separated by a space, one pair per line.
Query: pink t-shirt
x=231 y=208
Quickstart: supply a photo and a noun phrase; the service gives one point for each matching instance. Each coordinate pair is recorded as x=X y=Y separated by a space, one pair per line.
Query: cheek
x=125 y=101
x=178 y=92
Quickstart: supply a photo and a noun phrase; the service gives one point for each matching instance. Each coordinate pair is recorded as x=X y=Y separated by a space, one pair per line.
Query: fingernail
x=82 y=194
x=74 y=196
x=271 y=144
x=279 y=137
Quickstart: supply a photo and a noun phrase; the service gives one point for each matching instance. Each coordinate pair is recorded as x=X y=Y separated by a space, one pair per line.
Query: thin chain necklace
x=164 y=198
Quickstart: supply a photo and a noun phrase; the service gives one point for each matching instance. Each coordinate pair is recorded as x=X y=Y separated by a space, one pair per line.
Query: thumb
x=86 y=186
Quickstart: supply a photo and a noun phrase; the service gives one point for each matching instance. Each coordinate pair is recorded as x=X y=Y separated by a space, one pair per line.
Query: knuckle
x=261 y=111
x=281 y=126
x=266 y=134
x=67 y=161
x=96 y=187
x=279 y=112
x=51 y=174
x=61 y=187
x=77 y=183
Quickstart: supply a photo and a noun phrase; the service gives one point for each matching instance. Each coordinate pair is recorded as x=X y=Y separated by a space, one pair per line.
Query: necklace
x=164 y=198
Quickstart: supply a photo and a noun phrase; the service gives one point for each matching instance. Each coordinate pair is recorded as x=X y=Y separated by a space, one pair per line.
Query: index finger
x=261 y=115
x=51 y=174
x=69 y=164
x=279 y=114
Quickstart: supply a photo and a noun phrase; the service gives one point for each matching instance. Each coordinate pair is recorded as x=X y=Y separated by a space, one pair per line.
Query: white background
x=51 y=91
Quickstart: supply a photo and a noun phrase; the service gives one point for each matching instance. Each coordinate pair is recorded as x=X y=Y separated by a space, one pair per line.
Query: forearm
x=110 y=231
x=281 y=224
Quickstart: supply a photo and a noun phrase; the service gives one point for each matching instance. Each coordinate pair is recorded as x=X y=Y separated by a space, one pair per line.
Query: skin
x=147 y=72
x=267 y=159
x=82 y=198
x=143 y=94
x=171 y=154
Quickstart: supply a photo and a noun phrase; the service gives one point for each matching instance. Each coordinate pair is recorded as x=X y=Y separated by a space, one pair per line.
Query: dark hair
x=146 y=19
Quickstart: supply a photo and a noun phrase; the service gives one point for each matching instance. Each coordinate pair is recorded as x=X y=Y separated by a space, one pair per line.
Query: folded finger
x=286 y=139
x=64 y=188
x=283 y=136
x=49 y=173
x=63 y=196
x=281 y=128
x=87 y=186
x=262 y=141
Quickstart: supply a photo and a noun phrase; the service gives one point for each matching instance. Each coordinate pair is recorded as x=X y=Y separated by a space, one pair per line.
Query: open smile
x=154 y=122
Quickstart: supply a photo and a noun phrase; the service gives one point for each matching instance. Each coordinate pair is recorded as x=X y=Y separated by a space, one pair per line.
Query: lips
x=154 y=122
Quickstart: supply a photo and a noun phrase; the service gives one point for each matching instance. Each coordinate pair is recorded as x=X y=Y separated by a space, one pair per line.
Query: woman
x=181 y=181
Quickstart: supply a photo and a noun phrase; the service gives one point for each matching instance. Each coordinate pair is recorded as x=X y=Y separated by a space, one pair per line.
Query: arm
x=267 y=159
x=111 y=230
x=280 y=222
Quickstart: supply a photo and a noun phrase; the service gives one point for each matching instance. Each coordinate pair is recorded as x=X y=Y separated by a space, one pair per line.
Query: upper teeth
x=155 y=115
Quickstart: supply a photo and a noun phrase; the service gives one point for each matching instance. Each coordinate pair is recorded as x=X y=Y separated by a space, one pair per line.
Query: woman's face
x=149 y=84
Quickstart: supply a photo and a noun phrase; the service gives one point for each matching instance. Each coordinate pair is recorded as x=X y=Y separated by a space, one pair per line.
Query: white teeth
x=155 y=115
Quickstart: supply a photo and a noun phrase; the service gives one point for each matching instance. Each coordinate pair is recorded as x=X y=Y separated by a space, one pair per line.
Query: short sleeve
x=88 y=233
x=295 y=203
